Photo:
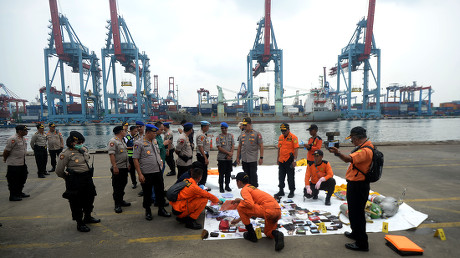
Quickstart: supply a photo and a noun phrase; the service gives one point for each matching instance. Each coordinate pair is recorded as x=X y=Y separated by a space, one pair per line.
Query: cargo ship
x=318 y=107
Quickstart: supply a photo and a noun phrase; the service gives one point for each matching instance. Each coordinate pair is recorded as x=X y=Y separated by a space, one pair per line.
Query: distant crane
x=65 y=44
x=127 y=54
x=171 y=98
x=352 y=56
x=264 y=50
x=7 y=98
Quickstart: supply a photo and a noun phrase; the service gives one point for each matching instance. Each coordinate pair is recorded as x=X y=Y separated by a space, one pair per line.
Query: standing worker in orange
x=319 y=177
x=256 y=203
x=314 y=143
x=358 y=187
x=288 y=146
x=191 y=201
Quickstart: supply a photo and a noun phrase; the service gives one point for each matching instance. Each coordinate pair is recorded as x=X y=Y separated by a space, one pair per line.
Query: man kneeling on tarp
x=319 y=176
x=191 y=201
x=257 y=203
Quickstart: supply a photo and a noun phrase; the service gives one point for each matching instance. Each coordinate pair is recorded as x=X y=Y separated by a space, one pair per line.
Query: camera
x=330 y=140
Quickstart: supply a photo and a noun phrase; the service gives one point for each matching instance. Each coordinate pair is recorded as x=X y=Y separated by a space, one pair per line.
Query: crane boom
x=57 y=31
x=369 y=31
x=116 y=31
x=266 y=55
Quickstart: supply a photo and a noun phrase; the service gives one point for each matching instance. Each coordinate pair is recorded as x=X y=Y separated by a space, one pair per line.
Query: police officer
x=249 y=144
x=55 y=144
x=225 y=143
x=358 y=187
x=314 y=143
x=203 y=145
x=288 y=146
x=319 y=176
x=184 y=150
x=170 y=150
x=148 y=165
x=38 y=144
x=129 y=141
x=15 y=157
x=73 y=166
x=120 y=165
x=140 y=130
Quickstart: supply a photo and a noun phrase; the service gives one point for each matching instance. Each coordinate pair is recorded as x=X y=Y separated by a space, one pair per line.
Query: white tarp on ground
x=406 y=217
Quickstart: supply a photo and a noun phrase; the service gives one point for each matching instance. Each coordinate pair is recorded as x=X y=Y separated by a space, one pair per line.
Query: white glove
x=318 y=185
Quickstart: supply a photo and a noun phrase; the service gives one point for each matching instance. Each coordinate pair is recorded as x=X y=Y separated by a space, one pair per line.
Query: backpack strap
x=369 y=147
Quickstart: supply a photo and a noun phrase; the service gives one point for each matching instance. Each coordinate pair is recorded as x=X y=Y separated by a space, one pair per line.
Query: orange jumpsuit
x=192 y=200
x=257 y=203
x=316 y=145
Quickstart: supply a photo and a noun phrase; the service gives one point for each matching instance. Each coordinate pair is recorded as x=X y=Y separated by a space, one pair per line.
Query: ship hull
x=316 y=116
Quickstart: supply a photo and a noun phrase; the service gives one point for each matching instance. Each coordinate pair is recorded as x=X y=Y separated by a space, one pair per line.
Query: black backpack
x=175 y=189
x=376 y=168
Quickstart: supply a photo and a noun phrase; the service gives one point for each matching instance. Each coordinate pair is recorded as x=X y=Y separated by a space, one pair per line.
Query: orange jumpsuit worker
x=319 y=176
x=191 y=201
x=314 y=143
x=288 y=146
x=257 y=203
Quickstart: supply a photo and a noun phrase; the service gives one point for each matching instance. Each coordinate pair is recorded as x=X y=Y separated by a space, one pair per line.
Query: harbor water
x=398 y=130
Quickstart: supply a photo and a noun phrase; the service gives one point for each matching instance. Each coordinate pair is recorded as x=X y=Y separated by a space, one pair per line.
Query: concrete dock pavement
x=41 y=225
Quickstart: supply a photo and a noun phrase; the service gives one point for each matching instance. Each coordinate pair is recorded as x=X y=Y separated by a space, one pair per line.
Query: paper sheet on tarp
x=406 y=217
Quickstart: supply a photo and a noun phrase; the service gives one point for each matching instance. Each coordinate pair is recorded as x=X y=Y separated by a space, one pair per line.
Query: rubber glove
x=318 y=185
x=308 y=189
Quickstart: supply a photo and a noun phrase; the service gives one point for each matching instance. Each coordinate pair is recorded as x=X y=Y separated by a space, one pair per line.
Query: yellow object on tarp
x=403 y=245
x=213 y=171
x=301 y=163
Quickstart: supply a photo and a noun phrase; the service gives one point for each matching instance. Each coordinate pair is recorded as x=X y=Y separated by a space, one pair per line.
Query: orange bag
x=403 y=245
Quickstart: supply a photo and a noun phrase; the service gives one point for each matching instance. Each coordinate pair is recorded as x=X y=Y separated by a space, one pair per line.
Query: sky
x=204 y=43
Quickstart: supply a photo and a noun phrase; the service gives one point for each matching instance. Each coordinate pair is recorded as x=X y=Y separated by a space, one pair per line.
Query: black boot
x=148 y=214
x=227 y=188
x=163 y=213
x=82 y=227
x=251 y=234
x=171 y=173
x=90 y=220
x=291 y=194
x=280 y=193
x=192 y=224
x=328 y=201
x=279 y=240
x=221 y=188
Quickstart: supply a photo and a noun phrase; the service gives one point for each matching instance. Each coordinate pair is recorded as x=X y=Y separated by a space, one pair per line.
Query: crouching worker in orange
x=257 y=203
x=319 y=176
x=191 y=201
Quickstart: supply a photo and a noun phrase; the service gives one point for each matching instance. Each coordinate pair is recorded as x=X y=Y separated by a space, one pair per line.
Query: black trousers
x=204 y=178
x=81 y=204
x=182 y=169
x=250 y=168
x=154 y=180
x=170 y=161
x=328 y=185
x=286 y=168
x=16 y=177
x=41 y=158
x=53 y=155
x=225 y=170
x=357 y=194
x=132 y=171
x=118 y=184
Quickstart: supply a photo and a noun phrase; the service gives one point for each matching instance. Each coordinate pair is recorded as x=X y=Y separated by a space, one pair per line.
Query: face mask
x=78 y=146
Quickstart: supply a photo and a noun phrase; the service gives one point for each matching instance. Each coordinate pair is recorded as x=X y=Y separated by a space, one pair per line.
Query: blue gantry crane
x=65 y=44
x=264 y=50
x=359 y=50
x=120 y=47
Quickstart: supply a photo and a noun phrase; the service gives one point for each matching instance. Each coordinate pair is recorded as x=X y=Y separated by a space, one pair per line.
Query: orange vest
x=191 y=192
x=317 y=142
x=362 y=159
x=253 y=196
x=287 y=145
x=314 y=173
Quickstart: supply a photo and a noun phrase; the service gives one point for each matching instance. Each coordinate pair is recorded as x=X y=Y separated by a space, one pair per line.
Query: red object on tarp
x=224 y=225
x=228 y=206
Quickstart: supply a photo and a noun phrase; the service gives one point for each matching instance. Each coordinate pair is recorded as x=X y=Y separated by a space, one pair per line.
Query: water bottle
x=303 y=144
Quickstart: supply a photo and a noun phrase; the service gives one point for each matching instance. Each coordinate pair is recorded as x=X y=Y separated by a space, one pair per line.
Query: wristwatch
x=261 y=157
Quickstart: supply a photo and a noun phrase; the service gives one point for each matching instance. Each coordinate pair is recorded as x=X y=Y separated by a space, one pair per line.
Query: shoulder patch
x=61 y=156
x=13 y=141
x=136 y=146
x=111 y=144
x=182 y=141
x=252 y=187
x=202 y=137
